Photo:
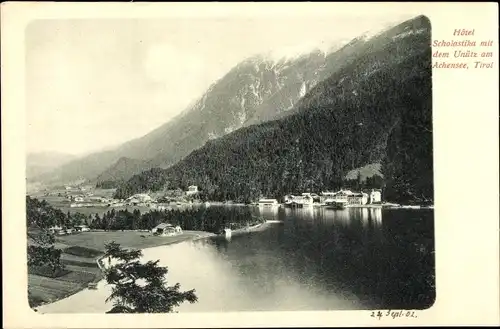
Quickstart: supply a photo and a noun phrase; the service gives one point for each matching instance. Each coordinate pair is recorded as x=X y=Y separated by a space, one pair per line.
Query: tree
x=359 y=181
x=140 y=287
x=46 y=256
x=78 y=219
x=40 y=216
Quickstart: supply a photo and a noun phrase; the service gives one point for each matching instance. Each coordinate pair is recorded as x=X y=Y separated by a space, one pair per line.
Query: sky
x=93 y=84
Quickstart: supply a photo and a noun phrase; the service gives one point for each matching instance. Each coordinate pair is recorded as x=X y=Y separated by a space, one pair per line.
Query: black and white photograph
x=211 y=164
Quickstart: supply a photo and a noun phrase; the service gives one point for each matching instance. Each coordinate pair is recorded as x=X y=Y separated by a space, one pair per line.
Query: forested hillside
x=122 y=169
x=43 y=162
x=378 y=108
x=255 y=90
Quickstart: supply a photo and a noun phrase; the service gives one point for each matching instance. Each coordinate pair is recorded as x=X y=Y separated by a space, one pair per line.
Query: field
x=57 y=199
x=78 y=260
x=80 y=254
x=64 y=205
x=46 y=289
x=107 y=193
x=81 y=251
x=96 y=210
x=127 y=239
x=80 y=268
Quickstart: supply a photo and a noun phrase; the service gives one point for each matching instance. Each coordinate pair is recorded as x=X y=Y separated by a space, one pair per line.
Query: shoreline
x=197 y=236
x=254 y=228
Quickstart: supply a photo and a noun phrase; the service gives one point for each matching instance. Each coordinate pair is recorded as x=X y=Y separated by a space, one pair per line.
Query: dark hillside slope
x=251 y=92
x=377 y=109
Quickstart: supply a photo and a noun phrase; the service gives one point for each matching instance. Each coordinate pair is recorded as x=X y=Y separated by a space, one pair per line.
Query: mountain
x=368 y=171
x=375 y=108
x=43 y=162
x=256 y=90
x=124 y=167
x=80 y=169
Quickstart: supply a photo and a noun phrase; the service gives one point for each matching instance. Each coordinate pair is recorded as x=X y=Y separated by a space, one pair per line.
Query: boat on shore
x=268 y=203
x=336 y=204
x=293 y=204
x=274 y=221
x=92 y=286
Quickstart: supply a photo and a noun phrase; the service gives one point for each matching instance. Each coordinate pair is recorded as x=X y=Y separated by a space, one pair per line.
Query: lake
x=316 y=259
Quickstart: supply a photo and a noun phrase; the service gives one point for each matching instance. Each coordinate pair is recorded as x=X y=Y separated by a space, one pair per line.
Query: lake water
x=317 y=259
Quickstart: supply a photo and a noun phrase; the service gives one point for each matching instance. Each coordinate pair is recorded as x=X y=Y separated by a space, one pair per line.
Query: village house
x=375 y=196
x=97 y=199
x=354 y=198
x=137 y=199
x=341 y=196
x=158 y=206
x=193 y=189
x=55 y=229
x=268 y=202
x=304 y=199
x=358 y=198
x=324 y=196
x=82 y=228
x=311 y=197
x=351 y=197
x=227 y=232
x=165 y=229
x=316 y=198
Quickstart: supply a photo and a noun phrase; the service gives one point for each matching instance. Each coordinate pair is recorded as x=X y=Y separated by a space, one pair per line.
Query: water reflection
x=268 y=213
x=319 y=259
x=339 y=217
x=305 y=213
x=221 y=243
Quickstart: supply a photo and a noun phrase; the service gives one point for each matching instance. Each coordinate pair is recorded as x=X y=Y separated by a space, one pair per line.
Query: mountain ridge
x=376 y=108
x=38 y=163
x=239 y=98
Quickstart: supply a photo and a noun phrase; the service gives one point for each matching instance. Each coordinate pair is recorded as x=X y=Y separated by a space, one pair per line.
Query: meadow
x=78 y=272
x=57 y=199
x=127 y=239
x=80 y=254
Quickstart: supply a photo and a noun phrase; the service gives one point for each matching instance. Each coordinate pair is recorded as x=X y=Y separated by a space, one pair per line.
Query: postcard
x=250 y=164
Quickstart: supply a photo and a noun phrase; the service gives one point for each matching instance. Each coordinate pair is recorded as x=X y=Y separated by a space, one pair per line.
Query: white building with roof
x=166 y=229
x=193 y=189
x=268 y=202
x=139 y=198
x=375 y=196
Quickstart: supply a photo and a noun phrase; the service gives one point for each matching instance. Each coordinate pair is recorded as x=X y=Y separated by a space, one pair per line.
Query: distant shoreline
x=197 y=235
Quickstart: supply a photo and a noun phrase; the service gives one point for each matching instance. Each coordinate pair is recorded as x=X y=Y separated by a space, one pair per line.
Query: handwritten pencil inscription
x=393 y=314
